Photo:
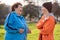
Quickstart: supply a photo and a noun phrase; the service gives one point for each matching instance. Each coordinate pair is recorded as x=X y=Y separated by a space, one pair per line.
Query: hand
x=21 y=30
x=29 y=31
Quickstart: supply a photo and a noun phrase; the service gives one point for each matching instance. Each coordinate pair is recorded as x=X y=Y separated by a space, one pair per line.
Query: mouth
x=20 y=10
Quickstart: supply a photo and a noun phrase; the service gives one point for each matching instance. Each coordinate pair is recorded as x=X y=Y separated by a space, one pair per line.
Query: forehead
x=43 y=7
x=19 y=6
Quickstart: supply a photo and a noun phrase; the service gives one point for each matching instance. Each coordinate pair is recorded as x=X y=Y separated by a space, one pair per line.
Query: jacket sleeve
x=25 y=24
x=41 y=22
x=10 y=22
x=48 y=26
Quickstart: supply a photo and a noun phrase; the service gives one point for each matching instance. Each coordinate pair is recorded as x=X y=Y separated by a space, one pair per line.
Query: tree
x=4 y=10
x=56 y=10
x=32 y=10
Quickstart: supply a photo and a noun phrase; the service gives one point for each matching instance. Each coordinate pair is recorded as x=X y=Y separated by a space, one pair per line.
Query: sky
x=59 y=1
x=11 y=2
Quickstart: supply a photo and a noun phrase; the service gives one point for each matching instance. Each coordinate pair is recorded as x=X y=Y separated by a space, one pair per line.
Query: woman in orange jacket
x=46 y=24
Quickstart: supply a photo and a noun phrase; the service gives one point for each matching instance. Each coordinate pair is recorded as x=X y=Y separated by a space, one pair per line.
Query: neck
x=46 y=13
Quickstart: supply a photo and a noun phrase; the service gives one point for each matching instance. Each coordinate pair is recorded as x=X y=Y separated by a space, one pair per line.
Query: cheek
x=43 y=10
x=21 y=9
x=18 y=8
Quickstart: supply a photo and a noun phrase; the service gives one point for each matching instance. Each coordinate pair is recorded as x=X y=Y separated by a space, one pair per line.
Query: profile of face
x=44 y=10
x=19 y=9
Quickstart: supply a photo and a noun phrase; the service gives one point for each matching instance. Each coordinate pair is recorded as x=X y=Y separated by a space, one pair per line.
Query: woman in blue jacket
x=15 y=24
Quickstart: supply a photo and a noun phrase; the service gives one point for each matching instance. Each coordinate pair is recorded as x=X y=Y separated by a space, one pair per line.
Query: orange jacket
x=46 y=24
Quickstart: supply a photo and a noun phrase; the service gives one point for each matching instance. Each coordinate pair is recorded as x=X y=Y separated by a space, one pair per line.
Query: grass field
x=34 y=34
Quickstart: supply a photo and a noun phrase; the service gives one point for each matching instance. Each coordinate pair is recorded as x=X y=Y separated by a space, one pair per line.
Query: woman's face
x=44 y=10
x=19 y=9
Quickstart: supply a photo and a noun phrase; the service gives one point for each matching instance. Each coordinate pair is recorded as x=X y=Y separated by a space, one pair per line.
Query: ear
x=15 y=8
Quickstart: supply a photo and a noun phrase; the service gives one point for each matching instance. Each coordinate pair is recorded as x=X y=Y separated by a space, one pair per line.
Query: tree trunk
x=57 y=18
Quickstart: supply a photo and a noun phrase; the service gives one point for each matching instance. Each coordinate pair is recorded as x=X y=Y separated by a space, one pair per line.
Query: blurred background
x=32 y=13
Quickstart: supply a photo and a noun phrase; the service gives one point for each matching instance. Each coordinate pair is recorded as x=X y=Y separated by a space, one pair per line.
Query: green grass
x=2 y=31
x=57 y=32
x=35 y=32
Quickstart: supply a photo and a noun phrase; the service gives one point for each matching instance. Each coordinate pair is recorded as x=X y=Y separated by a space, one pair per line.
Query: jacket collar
x=16 y=14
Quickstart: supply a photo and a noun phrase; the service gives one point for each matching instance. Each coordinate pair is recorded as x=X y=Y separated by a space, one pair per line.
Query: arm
x=41 y=22
x=28 y=30
x=10 y=22
x=48 y=26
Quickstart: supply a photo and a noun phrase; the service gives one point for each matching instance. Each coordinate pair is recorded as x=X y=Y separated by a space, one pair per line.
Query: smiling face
x=17 y=7
x=20 y=9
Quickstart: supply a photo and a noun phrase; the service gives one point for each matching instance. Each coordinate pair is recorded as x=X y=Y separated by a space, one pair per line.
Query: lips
x=20 y=10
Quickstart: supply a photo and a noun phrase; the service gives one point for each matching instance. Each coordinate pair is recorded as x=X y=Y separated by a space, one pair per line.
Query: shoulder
x=10 y=15
x=51 y=18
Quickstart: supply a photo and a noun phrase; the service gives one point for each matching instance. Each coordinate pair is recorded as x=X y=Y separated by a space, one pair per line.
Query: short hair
x=15 y=6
